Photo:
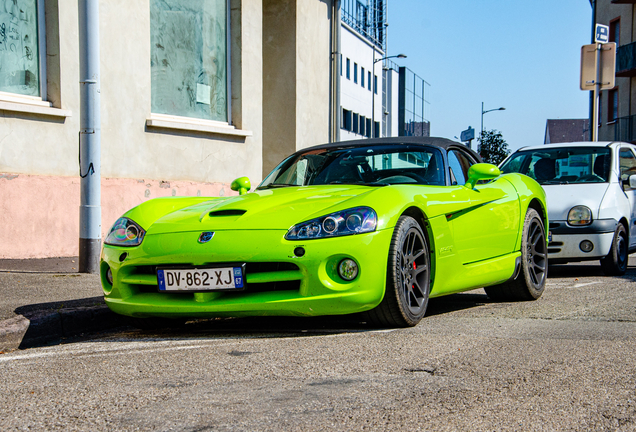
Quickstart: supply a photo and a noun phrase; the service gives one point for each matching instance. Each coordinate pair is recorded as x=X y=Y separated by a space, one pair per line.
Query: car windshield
x=562 y=165
x=365 y=165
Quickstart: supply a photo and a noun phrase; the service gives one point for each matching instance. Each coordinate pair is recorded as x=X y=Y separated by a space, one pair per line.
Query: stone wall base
x=39 y=215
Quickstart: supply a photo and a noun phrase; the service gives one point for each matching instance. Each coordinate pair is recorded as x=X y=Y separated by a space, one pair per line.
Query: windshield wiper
x=555 y=182
x=276 y=185
x=360 y=183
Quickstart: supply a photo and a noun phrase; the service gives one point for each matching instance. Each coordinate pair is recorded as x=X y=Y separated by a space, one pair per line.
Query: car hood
x=561 y=198
x=273 y=209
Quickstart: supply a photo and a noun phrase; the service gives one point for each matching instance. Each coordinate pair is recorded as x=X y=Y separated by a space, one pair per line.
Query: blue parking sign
x=601 y=34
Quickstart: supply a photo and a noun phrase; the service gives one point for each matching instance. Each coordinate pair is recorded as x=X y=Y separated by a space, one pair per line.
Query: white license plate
x=201 y=279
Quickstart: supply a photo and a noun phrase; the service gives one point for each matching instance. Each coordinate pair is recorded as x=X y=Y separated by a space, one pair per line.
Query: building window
x=346 y=120
x=355 y=73
x=362 y=77
x=369 y=80
x=348 y=69
x=615 y=31
x=189 y=58
x=363 y=124
x=355 y=127
x=375 y=84
x=612 y=105
x=22 y=48
x=368 y=128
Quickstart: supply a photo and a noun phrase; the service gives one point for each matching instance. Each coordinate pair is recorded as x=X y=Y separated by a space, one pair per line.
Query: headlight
x=347 y=222
x=125 y=232
x=580 y=215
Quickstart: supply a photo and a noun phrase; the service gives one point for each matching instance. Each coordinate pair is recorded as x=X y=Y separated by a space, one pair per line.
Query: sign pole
x=598 y=72
x=597 y=92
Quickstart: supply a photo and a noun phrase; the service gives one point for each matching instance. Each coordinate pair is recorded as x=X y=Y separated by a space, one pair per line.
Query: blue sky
x=522 y=55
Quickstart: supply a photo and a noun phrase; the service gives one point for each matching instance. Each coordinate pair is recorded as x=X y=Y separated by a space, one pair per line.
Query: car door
x=628 y=167
x=489 y=228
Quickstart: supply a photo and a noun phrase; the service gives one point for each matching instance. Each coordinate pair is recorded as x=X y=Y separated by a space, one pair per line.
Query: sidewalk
x=42 y=300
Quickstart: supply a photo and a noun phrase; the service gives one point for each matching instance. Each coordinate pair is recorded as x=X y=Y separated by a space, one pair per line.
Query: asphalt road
x=565 y=362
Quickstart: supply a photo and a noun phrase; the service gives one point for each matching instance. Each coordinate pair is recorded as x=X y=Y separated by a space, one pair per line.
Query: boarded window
x=19 y=53
x=189 y=58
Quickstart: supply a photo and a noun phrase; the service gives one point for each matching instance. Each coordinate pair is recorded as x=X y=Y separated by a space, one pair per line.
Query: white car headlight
x=346 y=222
x=580 y=215
x=125 y=232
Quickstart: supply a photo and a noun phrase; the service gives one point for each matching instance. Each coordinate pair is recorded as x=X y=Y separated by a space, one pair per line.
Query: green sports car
x=376 y=226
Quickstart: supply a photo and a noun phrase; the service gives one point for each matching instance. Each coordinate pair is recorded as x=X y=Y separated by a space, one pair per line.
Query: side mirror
x=242 y=185
x=632 y=181
x=481 y=171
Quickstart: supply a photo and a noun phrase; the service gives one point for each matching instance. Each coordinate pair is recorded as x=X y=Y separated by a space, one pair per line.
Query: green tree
x=492 y=147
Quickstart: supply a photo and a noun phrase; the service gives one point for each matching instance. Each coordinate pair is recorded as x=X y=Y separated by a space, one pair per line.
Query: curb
x=44 y=326
x=12 y=332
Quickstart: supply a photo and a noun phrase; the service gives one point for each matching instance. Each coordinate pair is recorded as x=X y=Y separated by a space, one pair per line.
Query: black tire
x=408 y=278
x=529 y=281
x=615 y=263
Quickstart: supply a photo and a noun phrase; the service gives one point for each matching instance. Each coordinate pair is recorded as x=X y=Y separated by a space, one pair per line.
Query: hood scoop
x=228 y=212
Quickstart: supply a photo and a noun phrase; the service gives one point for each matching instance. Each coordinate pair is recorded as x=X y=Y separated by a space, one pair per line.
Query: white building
x=362 y=45
x=360 y=95
x=377 y=97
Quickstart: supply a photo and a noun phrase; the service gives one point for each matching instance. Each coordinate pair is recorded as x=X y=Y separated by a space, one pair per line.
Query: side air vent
x=227 y=213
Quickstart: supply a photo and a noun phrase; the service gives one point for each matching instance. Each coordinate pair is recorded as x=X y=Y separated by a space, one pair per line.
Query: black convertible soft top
x=443 y=143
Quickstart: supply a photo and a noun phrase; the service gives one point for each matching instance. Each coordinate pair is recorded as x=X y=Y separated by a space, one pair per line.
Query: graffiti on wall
x=19 y=63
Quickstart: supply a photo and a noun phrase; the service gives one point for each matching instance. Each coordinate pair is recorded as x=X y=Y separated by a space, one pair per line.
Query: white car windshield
x=562 y=165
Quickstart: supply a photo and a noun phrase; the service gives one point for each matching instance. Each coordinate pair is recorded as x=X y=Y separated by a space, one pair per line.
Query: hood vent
x=227 y=213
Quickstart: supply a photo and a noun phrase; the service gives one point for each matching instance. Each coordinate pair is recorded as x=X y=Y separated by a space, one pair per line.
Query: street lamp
x=487 y=111
x=374 y=86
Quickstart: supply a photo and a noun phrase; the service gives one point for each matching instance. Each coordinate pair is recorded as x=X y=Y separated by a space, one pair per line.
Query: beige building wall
x=296 y=77
x=279 y=81
x=313 y=70
x=144 y=155
x=607 y=12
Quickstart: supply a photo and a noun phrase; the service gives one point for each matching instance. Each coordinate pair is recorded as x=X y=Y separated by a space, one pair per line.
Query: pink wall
x=39 y=215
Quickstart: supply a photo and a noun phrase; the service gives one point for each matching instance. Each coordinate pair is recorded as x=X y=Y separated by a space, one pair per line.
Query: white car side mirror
x=632 y=181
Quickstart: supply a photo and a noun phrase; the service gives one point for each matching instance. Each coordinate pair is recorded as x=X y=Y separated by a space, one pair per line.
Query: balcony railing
x=625 y=129
x=626 y=60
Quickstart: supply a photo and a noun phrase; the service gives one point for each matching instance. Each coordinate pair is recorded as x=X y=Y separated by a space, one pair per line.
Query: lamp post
x=374 y=85
x=484 y=112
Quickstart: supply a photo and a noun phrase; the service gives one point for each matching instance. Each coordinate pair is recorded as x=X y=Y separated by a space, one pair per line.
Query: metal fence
x=625 y=129
x=367 y=17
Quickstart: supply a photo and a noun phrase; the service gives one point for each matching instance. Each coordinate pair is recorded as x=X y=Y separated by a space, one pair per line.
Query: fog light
x=348 y=269
x=109 y=276
x=586 y=246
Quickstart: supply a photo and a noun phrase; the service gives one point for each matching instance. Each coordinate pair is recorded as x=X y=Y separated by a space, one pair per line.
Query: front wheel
x=408 y=278
x=615 y=263
x=529 y=283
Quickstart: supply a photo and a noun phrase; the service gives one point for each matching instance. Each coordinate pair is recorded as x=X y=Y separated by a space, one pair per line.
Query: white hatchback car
x=591 y=196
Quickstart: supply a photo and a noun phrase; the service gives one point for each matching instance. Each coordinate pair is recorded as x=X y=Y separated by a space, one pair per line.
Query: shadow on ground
x=88 y=319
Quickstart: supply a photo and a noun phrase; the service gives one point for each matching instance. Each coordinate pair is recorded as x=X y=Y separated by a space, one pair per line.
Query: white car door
x=628 y=167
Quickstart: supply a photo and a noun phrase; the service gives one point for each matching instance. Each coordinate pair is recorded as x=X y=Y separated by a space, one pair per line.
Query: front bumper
x=565 y=240
x=277 y=281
